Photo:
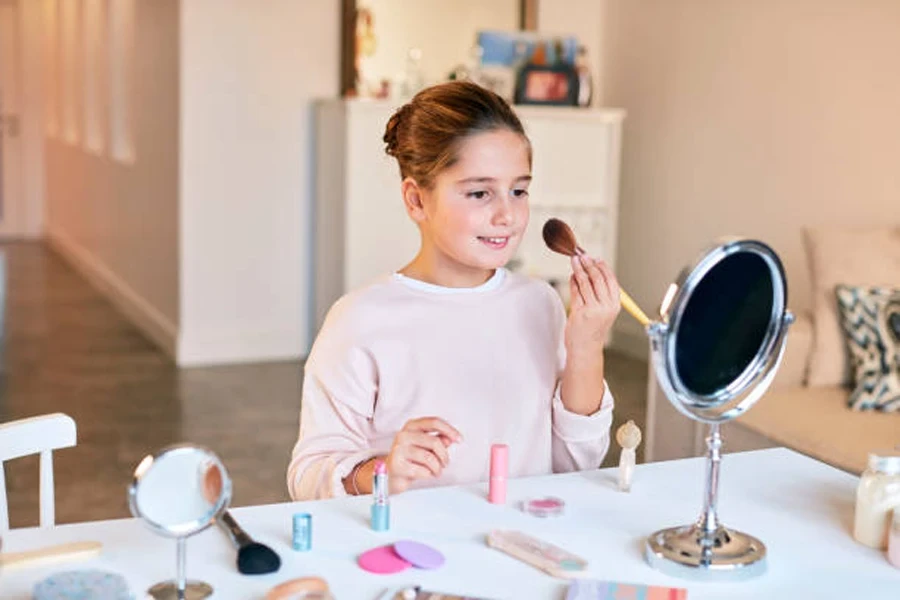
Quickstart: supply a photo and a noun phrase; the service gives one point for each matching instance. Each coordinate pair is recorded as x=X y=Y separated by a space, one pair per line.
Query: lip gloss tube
x=381 y=507
x=499 y=469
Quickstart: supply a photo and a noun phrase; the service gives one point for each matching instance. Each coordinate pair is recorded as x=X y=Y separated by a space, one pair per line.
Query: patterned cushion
x=870 y=318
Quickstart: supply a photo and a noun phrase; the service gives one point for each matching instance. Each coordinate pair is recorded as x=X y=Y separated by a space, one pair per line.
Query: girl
x=426 y=368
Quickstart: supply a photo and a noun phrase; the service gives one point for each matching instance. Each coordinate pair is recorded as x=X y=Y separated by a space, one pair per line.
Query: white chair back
x=36 y=435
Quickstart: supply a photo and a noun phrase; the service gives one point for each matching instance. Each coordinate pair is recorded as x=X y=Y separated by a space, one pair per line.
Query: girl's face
x=475 y=214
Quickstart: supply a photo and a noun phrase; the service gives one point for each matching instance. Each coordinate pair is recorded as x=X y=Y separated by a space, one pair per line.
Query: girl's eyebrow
x=490 y=179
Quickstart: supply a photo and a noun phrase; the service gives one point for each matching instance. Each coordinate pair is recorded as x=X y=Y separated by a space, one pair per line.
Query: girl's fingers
x=576 y=301
x=429 y=424
x=420 y=456
x=430 y=443
x=410 y=470
x=599 y=283
x=612 y=283
x=583 y=281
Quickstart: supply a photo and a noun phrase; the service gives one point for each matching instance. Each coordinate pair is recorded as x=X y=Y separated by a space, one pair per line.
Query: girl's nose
x=503 y=212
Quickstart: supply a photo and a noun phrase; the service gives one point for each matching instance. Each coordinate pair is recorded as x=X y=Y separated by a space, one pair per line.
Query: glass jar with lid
x=876 y=497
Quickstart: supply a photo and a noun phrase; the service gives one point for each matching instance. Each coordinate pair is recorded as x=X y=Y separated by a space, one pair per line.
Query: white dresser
x=362 y=230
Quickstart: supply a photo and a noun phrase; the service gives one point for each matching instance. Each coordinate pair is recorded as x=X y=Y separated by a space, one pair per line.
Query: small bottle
x=539 y=56
x=520 y=56
x=412 y=79
x=876 y=497
x=585 y=79
x=381 y=506
x=628 y=436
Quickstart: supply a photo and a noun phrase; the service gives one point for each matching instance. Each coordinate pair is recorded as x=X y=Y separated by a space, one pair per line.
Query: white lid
x=887 y=462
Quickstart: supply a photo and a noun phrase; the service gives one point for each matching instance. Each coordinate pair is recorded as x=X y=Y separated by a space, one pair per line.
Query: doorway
x=11 y=193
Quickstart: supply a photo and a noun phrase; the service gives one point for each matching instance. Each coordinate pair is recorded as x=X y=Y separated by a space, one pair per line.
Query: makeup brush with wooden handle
x=50 y=555
x=559 y=237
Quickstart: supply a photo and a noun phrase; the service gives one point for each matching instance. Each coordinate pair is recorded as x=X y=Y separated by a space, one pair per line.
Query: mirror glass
x=723 y=325
x=181 y=491
x=444 y=31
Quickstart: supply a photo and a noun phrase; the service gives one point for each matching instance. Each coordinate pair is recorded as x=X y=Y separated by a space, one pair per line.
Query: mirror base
x=690 y=553
x=168 y=590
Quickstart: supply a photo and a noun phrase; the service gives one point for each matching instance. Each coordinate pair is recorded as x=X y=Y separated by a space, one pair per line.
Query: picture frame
x=547 y=85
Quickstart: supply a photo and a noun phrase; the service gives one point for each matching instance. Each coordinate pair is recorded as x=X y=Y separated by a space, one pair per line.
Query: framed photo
x=547 y=85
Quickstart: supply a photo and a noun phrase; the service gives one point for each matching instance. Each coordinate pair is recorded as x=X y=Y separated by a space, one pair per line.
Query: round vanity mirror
x=179 y=492
x=715 y=349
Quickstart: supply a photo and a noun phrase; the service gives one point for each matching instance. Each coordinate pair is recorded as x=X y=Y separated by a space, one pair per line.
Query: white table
x=800 y=508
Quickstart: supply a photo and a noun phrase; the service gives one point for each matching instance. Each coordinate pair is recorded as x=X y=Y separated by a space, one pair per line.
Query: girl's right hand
x=419 y=451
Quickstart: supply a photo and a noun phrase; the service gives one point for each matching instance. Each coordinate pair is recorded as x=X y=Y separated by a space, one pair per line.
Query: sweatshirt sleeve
x=337 y=405
x=580 y=442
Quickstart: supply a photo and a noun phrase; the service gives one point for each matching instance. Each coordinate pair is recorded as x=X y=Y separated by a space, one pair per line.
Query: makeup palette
x=547 y=506
x=397 y=557
x=542 y=555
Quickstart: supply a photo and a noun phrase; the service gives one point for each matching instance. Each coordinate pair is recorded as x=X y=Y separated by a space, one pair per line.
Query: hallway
x=64 y=348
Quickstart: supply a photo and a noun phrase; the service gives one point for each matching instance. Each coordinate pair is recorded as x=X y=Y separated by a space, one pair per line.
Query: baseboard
x=199 y=349
x=141 y=313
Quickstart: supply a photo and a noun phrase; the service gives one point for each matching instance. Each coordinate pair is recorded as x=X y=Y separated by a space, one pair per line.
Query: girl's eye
x=477 y=194
x=520 y=193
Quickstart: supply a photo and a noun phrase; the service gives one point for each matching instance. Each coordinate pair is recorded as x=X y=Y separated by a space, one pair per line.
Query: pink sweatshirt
x=487 y=360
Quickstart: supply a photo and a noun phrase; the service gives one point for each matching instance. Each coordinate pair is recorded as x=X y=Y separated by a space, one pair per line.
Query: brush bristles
x=558 y=237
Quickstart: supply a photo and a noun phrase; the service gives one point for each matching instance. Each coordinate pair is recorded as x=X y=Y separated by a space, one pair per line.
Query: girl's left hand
x=593 y=308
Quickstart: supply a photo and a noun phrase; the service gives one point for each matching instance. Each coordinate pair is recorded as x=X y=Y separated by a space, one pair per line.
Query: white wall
x=751 y=118
x=32 y=201
x=443 y=29
x=117 y=222
x=584 y=20
x=248 y=75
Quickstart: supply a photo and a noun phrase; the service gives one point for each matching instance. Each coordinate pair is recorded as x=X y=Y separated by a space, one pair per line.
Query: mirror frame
x=740 y=394
x=192 y=527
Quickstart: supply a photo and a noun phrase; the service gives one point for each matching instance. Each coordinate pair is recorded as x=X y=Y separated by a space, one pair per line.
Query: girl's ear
x=413 y=199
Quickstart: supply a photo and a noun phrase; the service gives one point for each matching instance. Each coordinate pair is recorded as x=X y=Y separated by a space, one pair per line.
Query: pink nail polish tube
x=499 y=470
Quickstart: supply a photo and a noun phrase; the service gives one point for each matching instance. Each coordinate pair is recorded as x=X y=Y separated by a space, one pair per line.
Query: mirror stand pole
x=709 y=520
x=706 y=549
x=181 y=577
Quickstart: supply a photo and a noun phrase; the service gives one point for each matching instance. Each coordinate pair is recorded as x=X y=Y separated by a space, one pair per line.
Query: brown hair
x=424 y=135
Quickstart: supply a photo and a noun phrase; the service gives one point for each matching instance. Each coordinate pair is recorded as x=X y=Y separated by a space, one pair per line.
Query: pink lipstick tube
x=499 y=471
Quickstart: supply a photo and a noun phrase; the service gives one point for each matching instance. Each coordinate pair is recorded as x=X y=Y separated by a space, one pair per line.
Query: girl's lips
x=495 y=243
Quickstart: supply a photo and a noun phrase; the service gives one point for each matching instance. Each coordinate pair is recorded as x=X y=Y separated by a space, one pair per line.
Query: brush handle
x=632 y=308
x=237 y=534
x=50 y=555
x=627 y=301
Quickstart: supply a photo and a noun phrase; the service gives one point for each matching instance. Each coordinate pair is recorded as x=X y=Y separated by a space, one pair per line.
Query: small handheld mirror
x=716 y=347
x=179 y=492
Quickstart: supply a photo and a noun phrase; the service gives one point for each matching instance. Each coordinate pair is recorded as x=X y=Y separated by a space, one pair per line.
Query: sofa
x=806 y=408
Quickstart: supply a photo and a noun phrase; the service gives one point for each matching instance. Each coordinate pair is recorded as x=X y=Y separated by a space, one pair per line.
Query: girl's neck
x=439 y=270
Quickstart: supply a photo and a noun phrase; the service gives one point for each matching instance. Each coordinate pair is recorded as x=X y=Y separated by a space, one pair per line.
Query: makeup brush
x=253 y=558
x=49 y=555
x=559 y=237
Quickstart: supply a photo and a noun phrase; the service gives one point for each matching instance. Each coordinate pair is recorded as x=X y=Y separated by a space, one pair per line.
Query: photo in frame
x=547 y=85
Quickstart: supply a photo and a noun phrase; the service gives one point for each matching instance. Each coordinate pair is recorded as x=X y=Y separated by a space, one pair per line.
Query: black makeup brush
x=253 y=558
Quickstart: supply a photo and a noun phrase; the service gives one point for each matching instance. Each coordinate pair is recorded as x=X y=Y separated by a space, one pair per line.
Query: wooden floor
x=64 y=348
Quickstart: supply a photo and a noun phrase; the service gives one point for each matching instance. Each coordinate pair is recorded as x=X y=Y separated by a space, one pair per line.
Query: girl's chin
x=492 y=263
